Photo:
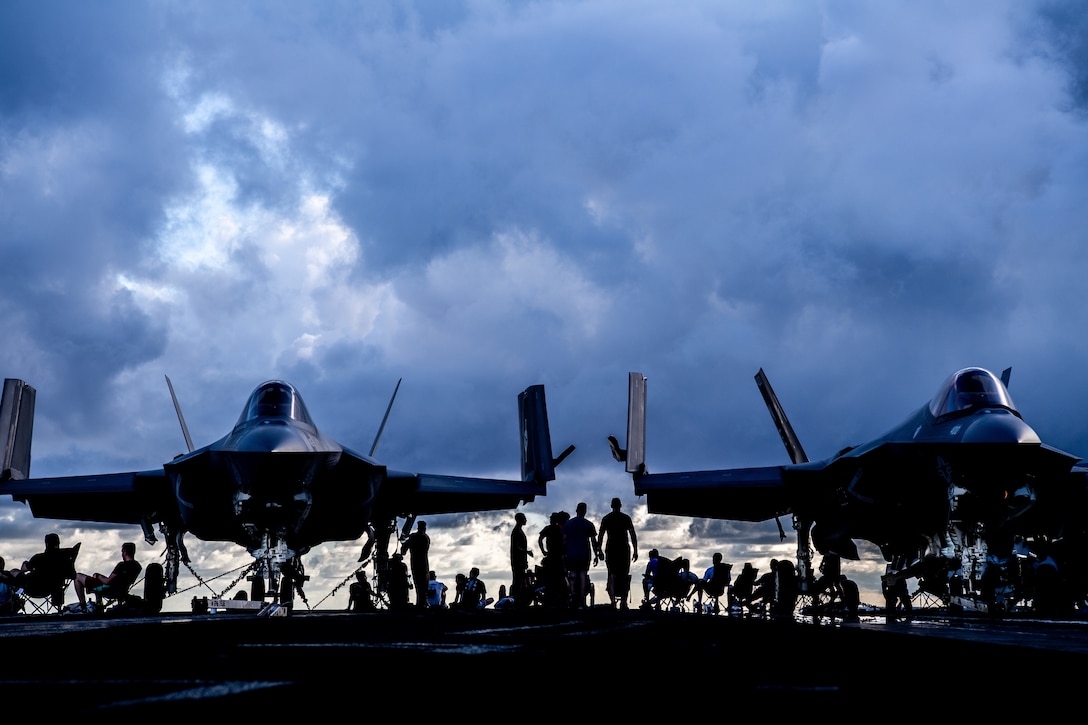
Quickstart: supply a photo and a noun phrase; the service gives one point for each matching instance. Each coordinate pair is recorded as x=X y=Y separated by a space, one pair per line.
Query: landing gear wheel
x=154 y=584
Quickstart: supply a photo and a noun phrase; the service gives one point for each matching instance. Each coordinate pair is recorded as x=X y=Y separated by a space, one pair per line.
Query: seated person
x=740 y=595
x=716 y=579
x=475 y=596
x=116 y=584
x=673 y=580
x=649 y=574
x=361 y=594
x=45 y=574
x=436 y=592
x=689 y=580
x=763 y=592
x=8 y=597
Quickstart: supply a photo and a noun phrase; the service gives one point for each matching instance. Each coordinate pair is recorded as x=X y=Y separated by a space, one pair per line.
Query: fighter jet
x=274 y=484
x=956 y=496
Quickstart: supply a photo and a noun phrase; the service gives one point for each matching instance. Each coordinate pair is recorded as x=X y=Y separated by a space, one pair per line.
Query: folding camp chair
x=41 y=594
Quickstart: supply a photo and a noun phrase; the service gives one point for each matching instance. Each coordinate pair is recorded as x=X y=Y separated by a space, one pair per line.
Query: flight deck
x=620 y=662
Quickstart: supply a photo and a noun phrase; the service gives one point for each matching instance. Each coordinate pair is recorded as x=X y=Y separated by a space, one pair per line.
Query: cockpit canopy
x=275 y=399
x=969 y=389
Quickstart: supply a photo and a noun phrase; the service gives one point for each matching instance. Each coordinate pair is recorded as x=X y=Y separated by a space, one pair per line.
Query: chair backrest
x=719 y=580
x=52 y=574
x=70 y=554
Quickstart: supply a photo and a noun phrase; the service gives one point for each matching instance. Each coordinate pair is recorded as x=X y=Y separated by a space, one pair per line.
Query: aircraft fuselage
x=274 y=474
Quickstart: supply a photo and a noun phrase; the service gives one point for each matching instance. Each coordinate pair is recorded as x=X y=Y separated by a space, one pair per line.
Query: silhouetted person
x=763 y=592
x=744 y=586
x=896 y=595
x=504 y=600
x=553 y=574
x=436 y=592
x=580 y=539
x=830 y=578
x=418 y=545
x=7 y=590
x=649 y=575
x=1048 y=601
x=45 y=573
x=519 y=559
x=475 y=591
x=116 y=583
x=851 y=598
x=397 y=585
x=459 y=582
x=689 y=580
x=616 y=529
x=786 y=590
x=360 y=594
x=716 y=580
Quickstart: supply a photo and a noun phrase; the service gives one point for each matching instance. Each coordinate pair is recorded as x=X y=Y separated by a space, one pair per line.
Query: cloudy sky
x=478 y=196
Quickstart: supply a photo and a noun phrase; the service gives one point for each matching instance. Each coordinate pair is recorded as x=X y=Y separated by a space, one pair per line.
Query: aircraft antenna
x=381 y=428
x=181 y=418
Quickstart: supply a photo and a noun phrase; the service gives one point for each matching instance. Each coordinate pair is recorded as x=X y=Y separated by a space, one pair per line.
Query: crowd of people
x=569 y=547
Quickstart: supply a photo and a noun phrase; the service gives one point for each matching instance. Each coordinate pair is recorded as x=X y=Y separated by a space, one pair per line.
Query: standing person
x=580 y=540
x=397 y=585
x=519 y=560
x=616 y=528
x=119 y=581
x=417 y=545
x=554 y=574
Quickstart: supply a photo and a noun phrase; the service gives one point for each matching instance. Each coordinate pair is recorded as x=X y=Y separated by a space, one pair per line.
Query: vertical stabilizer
x=636 y=423
x=16 y=427
x=536 y=439
x=785 y=430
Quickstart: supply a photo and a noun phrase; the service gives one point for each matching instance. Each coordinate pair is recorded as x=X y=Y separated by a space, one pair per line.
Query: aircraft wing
x=119 y=498
x=741 y=494
x=425 y=493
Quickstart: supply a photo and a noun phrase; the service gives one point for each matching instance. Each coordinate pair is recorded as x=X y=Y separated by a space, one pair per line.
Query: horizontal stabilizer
x=426 y=493
x=740 y=494
x=16 y=427
x=111 y=498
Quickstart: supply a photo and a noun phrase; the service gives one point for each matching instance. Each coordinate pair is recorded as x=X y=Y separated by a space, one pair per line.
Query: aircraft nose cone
x=273 y=439
x=999 y=427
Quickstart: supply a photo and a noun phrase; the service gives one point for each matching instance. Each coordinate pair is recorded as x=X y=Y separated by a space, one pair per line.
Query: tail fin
x=785 y=430
x=537 y=463
x=636 y=423
x=16 y=429
x=635 y=453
